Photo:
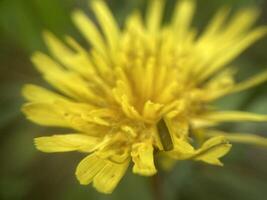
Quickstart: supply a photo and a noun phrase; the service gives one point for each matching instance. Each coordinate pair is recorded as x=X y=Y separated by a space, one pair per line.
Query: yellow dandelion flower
x=142 y=90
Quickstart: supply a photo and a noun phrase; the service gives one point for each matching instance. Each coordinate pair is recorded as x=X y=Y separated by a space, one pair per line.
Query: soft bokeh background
x=31 y=175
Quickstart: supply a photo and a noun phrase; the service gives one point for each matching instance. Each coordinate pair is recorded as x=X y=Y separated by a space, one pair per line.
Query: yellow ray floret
x=64 y=143
x=142 y=90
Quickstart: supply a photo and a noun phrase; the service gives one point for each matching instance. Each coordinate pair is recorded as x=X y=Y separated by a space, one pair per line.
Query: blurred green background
x=28 y=174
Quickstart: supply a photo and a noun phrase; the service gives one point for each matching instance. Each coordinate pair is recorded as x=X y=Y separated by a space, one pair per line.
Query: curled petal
x=143 y=158
x=212 y=150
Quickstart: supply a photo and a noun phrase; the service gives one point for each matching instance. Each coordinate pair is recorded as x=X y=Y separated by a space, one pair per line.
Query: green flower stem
x=157 y=187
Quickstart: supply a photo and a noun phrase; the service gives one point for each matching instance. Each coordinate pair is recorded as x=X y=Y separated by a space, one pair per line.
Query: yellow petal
x=202 y=123
x=68 y=142
x=229 y=116
x=134 y=23
x=126 y=106
x=174 y=108
x=149 y=73
x=168 y=92
x=66 y=114
x=240 y=137
x=154 y=15
x=90 y=31
x=68 y=82
x=151 y=110
x=56 y=46
x=212 y=150
x=179 y=128
x=44 y=114
x=241 y=21
x=182 y=150
x=124 y=83
x=143 y=158
x=88 y=168
x=76 y=61
x=104 y=68
x=109 y=176
x=104 y=174
x=234 y=37
x=107 y=22
x=216 y=23
x=239 y=46
x=219 y=85
x=182 y=18
x=46 y=65
x=82 y=116
x=36 y=93
x=251 y=82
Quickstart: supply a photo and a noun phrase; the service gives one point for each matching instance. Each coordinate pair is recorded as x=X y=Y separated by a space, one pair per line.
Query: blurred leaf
x=19 y=23
x=10 y=103
x=29 y=18
x=175 y=179
x=215 y=183
x=13 y=188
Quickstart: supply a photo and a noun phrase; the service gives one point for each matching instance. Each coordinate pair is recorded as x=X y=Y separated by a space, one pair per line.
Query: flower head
x=143 y=90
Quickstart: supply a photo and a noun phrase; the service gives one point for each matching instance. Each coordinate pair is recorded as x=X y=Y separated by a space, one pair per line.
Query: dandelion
x=142 y=91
